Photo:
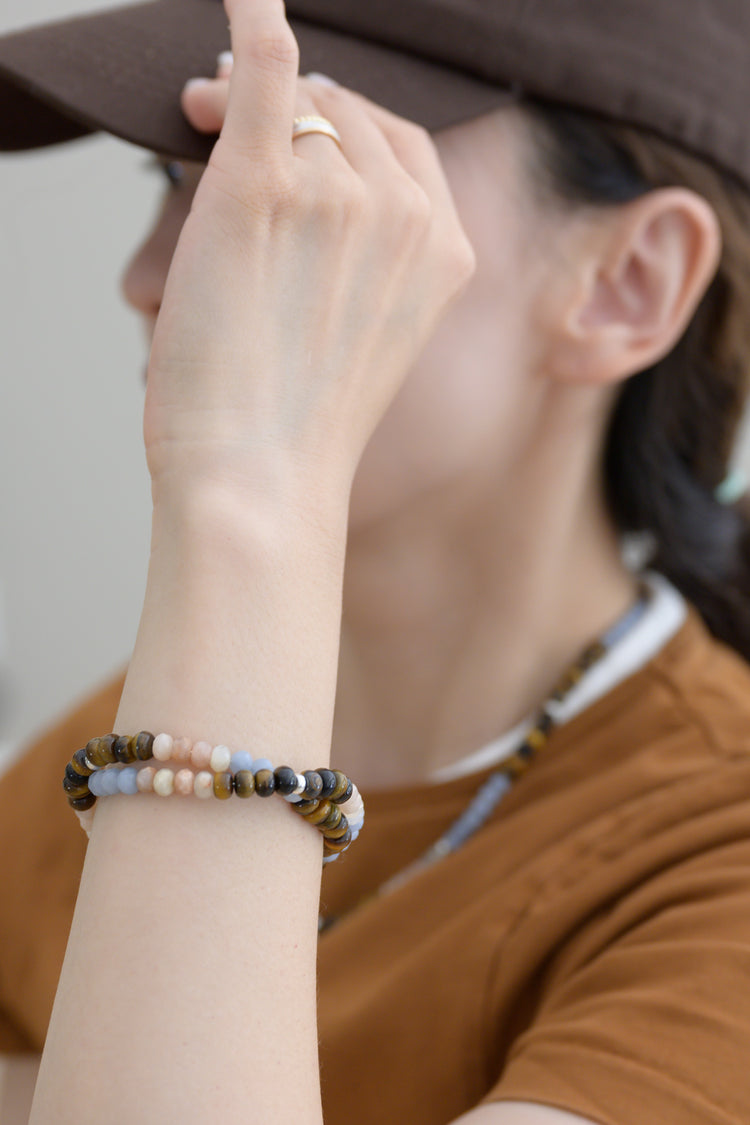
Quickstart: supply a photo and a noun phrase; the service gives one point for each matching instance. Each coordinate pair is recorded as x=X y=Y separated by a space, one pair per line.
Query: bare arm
x=301 y=291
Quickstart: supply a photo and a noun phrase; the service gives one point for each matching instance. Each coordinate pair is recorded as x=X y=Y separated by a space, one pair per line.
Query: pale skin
x=446 y=385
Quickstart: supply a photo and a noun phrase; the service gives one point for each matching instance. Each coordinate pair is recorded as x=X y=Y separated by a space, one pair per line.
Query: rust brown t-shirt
x=588 y=949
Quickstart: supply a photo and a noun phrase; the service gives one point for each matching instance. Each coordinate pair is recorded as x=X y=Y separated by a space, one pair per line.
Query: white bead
x=221 y=756
x=353 y=807
x=301 y=784
x=164 y=782
x=163 y=747
x=203 y=786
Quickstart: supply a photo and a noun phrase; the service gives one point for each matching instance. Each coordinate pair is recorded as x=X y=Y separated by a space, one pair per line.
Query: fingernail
x=323 y=79
x=225 y=61
x=195 y=83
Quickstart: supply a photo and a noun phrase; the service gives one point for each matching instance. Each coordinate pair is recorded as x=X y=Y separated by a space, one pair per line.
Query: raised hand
x=307 y=278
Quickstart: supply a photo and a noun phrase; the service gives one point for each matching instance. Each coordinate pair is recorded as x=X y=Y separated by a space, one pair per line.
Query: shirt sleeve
x=649 y=1021
x=43 y=848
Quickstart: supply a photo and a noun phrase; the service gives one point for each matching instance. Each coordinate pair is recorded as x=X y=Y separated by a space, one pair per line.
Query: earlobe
x=640 y=283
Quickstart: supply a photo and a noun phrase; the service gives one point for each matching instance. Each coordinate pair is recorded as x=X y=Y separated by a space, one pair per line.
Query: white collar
x=664 y=616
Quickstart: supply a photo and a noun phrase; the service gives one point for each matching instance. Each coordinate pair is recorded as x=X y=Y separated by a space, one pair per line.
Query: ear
x=640 y=272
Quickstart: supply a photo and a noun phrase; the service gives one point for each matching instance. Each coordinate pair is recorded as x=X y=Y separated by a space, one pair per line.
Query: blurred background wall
x=74 y=502
x=75 y=499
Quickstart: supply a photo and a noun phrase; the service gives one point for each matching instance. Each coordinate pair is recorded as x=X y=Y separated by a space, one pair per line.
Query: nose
x=145 y=276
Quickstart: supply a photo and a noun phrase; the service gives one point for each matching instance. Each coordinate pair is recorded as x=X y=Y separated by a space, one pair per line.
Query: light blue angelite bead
x=261 y=764
x=241 y=760
x=110 y=782
x=128 y=780
x=95 y=784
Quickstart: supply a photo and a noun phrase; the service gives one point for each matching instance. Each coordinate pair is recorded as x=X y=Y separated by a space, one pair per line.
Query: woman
x=408 y=354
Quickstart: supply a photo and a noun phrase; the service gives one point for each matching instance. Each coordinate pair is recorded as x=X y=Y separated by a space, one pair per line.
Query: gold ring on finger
x=313 y=124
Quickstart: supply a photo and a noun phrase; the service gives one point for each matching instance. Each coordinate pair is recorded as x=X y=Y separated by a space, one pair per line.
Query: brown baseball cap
x=680 y=68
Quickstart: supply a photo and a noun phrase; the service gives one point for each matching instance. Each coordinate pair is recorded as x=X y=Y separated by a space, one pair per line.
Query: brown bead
x=328 y=777
x=536 y=738
x=334 y=847
x=73 y=784
x=342 y=784
x=265 y=783
x=286 y=780
x=516 y=765
x=142 y=745
x=333 y=820
x=78 y=763
x=305 y=807
x=317 y=816
x=223 y=785
x=80 y=804
x=244 y=783
x=123 y=750
x=314 y=786
x=99 y=750
x=340 y=830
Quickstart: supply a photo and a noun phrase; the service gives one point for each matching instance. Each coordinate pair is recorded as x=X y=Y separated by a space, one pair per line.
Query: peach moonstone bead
x=200 y=755
x=183 y=782
x=204 y=784
x=181 y=751
x=163 y=746
x=145 y=779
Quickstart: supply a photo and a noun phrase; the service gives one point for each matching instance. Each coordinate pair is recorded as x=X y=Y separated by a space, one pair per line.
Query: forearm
x=188 y=989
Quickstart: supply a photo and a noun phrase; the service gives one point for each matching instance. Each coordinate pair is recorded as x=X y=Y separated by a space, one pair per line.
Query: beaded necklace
x=491 y=792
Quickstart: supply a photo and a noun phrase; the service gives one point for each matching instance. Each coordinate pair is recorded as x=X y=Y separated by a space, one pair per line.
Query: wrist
x=275 y=509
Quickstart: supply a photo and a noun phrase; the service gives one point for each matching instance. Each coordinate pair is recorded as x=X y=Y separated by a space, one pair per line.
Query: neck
x=460 y=614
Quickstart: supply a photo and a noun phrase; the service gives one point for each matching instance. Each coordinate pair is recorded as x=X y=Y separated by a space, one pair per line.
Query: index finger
x=263 y=85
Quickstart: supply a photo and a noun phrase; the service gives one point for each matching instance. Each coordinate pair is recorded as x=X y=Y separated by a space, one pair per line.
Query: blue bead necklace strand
x=492 y=791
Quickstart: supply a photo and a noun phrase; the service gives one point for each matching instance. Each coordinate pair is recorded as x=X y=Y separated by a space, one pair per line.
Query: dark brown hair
x=674 y=425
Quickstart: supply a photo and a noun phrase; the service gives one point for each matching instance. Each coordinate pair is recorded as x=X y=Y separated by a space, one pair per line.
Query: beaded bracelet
x=326 y=798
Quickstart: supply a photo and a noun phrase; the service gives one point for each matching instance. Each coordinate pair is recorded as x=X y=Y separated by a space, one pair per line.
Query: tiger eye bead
x=244 y=783
x=78 y=763
x=143 y=746
x=334 y=847
x=305 y=807
x=333 y=820
x=286 y=780
x=73 y=784
x=265 y=783
x=123 y=750
x=328 y=777
x=314 y=785
x=340 y=830
x=99 y=750
x=223 y=785
x=80 y=804
x=317 y=816
x=342 y=784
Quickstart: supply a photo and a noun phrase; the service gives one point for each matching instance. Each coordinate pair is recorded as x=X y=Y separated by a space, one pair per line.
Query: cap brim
x=122 y=71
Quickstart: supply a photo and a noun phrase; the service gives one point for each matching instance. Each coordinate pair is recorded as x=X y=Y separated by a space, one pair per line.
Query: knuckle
x=276 y=46
x=339 y=201
x=418 y=134
x=415 y=206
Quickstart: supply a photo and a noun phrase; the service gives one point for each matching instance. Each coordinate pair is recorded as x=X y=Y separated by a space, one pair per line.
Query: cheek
x=460 y=413
x=145 y=275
